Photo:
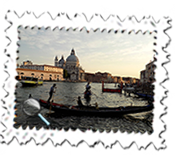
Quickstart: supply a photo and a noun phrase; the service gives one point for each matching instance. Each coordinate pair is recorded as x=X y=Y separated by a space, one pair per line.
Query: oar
x=51 y=103
x=95 y=94
x=50 y=108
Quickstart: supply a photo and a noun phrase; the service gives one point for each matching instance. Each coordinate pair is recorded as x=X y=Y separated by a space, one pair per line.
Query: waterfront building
x=127 y=80
x=90 y=77
x=71 y=66
x=108 y=78
x=44 y=72
x=150 y=67
x=118 y=79
x=99 y=77
x=40 y=74
x=105 y=74
x=135 y=80
x=42 y=67
x=148 y=75
x=143 y=76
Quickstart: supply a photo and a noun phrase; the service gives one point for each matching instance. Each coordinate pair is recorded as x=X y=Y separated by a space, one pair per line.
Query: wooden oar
x=51 y=103
x=94 y=94
x=50 y=108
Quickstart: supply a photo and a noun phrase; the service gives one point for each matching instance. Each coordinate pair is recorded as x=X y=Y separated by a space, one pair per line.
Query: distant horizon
x=118 y=54
x=91 y=72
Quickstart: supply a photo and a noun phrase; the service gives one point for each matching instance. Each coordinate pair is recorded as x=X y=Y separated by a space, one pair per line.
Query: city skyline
x=118 y=54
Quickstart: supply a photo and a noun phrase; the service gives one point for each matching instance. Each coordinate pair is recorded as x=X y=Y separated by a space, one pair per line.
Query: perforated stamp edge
x=146 y=24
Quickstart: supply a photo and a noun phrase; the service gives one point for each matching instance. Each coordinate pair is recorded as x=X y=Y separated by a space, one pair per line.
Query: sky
x=119 y=54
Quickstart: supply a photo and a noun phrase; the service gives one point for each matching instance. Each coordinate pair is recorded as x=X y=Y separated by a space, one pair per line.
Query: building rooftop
x=89 y=73
x=33 y=70
x=42 y=65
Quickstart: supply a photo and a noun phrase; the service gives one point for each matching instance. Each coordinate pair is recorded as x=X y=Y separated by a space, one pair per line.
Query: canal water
x=67 y=93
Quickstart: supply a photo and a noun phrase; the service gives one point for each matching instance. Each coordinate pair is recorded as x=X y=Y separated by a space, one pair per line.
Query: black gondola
x=61 y=109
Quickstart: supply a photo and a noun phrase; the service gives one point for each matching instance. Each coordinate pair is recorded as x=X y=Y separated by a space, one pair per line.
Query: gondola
x=61 y=109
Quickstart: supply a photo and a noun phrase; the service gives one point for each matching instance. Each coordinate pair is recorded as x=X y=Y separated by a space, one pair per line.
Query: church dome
x=61 y=61
x=72 y=57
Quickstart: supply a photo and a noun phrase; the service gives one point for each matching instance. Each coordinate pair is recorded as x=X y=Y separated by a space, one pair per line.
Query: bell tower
x=56 y=61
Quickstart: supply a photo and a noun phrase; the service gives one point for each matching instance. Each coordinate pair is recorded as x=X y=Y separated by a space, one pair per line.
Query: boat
x=40 y=82
x=68 y=110
x=116 y=90
x=144 y=95
x=30 y=81
x=129 y=89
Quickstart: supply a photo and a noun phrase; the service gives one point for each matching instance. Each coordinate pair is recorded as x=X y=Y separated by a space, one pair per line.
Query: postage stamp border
x=79 y=21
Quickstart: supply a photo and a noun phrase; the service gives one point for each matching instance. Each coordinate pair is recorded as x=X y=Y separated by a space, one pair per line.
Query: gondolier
x=88 y=87
x=51 y=92
x=87 y=93
x=80 y=104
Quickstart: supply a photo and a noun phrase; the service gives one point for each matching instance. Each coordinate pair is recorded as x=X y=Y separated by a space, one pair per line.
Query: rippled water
x=67 y=93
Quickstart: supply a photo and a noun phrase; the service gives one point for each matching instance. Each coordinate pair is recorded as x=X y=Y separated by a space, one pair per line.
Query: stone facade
x=148 y=75
x=108 y=78
x=143 y=76
x=40 y=74
x=118 y=79
x=150 y=67
x=42 y=67
x=72 y=67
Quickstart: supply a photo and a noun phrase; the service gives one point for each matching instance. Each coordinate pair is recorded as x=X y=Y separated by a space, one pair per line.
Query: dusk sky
x=119 y=54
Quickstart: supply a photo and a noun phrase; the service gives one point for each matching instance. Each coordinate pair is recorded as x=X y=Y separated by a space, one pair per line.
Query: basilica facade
x=72 y=69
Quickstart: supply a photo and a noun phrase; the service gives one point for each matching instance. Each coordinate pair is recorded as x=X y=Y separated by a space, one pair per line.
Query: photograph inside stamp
x=83 y=79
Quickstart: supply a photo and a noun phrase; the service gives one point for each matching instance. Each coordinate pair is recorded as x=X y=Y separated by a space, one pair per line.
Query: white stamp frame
x=8 y=132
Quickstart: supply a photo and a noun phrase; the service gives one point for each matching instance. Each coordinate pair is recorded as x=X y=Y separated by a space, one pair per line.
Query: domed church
x=71 y=66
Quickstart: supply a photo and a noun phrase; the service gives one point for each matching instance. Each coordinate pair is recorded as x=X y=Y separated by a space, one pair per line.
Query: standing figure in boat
x=51 y=92
x=80 y=104
x=87 y=93
x=88 y=87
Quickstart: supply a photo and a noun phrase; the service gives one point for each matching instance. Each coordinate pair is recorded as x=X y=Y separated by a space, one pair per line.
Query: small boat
x=128 y=90
x=40 y=82
x=116 y=90
x=30 y=81
x=145 y=95
x=65 y=110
